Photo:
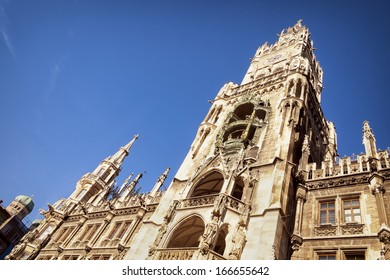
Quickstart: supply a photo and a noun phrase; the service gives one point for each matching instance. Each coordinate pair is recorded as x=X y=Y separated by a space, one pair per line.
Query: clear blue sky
x=79 y=78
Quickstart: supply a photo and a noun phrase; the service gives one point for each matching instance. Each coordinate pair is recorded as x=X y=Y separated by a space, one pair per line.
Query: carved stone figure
x=209 y=235
x=220 y=205
x=238 y=243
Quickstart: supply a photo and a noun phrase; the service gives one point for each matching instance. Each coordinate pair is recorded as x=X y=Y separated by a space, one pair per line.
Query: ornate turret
x=102 y=178
x=21 y=206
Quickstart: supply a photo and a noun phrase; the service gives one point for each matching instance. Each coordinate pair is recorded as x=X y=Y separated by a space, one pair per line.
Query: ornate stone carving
x=377 y=189
x=339 y=182
x=239 y=241
x=353 y=228
x=296 y=242
x=325 y=230
x=121 y=253
x=172 y=254
x=384 y=235
x=209 y=235
x=220 y=205
x=197 y=201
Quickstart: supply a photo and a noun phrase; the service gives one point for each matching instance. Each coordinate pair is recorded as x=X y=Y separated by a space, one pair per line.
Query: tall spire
x=120 y=155
x=129 y=188
x=125 y=183
x=160 y=182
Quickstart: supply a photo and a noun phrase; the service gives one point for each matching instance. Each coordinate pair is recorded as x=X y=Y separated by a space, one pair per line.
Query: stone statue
x=209 y=235
x=238 y=244
x=220 y=204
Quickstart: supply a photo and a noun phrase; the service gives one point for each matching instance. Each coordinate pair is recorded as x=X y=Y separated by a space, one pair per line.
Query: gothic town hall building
x=261 y=180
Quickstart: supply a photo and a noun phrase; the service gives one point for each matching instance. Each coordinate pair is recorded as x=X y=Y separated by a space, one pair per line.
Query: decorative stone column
x=296 y=238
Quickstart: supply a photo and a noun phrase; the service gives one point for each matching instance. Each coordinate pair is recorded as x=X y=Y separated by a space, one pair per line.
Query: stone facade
x=260 y=181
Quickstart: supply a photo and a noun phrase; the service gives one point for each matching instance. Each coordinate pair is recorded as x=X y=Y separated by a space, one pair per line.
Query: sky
x=78 y=79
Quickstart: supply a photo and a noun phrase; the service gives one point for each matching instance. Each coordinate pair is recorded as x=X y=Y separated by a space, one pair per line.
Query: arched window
x=345 y=168
x=242 y=112
x=327 y=172
x=310 y=175
x=211 y=184
x=187 y=233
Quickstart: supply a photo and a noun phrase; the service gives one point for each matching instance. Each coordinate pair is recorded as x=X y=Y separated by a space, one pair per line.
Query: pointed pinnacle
x=128 y=146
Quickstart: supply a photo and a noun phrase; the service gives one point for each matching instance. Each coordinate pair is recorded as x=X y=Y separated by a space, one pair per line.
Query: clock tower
x=235 y=194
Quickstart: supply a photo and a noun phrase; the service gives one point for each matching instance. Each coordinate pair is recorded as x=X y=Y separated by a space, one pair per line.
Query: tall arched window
x=187 y=233
x=211 y=184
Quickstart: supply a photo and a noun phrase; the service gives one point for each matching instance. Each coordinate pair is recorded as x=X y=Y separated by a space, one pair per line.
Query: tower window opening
x=238 y=190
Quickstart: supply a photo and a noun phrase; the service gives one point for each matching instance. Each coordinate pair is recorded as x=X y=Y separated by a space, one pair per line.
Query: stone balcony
x=208 y=200
x=185 y=254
